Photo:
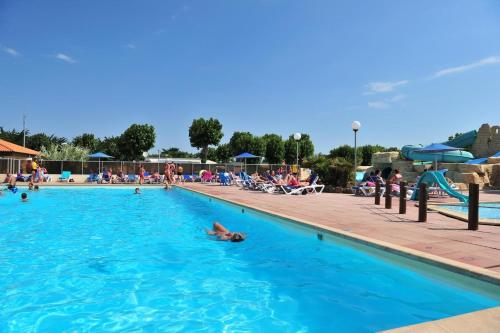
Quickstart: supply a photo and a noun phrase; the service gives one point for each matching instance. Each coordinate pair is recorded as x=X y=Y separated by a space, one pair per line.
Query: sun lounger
x=224 y=179
x=65 y=176
x=313 y=187
x=93 y=177
x=131 y=178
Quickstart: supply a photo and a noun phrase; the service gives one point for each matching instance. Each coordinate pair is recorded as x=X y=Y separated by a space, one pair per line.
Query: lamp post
x=356 y=125
x=297 y=136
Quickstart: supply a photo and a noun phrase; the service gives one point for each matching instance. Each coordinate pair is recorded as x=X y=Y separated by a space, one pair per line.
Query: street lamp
x=356 y=125
x=297 y=136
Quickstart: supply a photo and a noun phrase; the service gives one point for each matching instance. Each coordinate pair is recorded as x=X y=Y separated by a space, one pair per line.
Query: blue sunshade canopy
x=245 y=155
x=99 y=155
x=436 y=148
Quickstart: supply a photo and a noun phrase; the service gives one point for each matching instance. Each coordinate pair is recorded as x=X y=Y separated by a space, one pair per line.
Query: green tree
x=211 y=154
x=245 y=142
x=346 y=152
x=86 y=140
x=175 y=153
x=136 y=140
x=66 y=152
x=111 y=146
x=37 y=141
x=12 y=136
x=274 y=148
x=454 y=136
x=223 y=153
x=204 y=133
x=367 y=152
x=306 y=149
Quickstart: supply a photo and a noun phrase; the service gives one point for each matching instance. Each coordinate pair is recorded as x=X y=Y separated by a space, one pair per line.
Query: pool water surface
x=106 y=260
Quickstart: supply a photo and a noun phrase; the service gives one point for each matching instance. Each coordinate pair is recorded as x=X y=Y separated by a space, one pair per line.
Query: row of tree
x=130 y=145
x=363 y=154
x=204 y=133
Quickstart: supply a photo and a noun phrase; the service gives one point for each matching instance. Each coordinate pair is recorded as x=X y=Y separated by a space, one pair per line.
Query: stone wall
x=487 y=142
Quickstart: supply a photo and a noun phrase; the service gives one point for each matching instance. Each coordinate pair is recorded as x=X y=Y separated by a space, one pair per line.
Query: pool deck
x=441 y=237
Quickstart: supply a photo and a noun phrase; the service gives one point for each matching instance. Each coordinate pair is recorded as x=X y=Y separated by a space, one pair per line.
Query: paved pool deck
x=441 y=236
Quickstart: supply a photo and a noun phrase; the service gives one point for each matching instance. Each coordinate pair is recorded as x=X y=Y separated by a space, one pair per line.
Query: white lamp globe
x=356 y=125
x=297 y=136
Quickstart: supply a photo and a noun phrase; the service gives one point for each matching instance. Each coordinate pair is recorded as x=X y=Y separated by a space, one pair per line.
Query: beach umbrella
x=435 y=149
x=244 y=156
x=99 y=155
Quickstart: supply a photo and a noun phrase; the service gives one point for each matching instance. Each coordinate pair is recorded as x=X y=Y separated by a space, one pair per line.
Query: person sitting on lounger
x=292 y=181
x=223 y=234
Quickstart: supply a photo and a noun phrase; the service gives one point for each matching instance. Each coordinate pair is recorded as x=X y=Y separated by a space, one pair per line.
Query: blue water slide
x=456 y=156
x=462 y=141
x=436 y=177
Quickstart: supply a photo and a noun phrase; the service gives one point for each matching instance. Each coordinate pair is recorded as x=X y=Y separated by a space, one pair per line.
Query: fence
x=85 y=167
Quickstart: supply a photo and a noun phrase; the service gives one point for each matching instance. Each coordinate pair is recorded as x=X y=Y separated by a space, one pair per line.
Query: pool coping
x=458 y=215
x=475 y=321
x=449 y=264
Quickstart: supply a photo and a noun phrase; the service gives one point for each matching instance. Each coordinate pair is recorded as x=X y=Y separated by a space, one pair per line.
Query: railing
x=86 y=167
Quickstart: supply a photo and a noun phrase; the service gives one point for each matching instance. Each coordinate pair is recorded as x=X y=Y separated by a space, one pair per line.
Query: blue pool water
x=487 y=210
x=106 y=260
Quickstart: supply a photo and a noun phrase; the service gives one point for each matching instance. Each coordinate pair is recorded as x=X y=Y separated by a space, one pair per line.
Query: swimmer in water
x=24 y=197
x=137 y=190
x=223 y=234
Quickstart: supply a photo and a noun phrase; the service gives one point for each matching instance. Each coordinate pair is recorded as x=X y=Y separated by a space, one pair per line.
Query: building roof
x=9 y=147
x=177 y=160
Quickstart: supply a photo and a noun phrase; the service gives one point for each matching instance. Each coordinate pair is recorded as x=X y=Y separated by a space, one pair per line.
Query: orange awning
x=9 y=147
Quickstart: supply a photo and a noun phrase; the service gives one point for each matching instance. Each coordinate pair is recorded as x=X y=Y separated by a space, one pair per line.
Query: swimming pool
x=103 y=259
x=489 y=212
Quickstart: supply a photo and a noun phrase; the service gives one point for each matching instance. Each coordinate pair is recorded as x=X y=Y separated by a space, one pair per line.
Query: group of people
x=11 y=180
x=376 y=176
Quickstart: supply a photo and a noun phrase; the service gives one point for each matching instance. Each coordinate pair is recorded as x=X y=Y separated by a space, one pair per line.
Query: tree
x=274 y=148
x=37 y=141
x=211 y=154
x=176 y=153
x=367 y=152
x=136 y=140
x=306 y=149
x=223 y=153
x=456 y=135
x=204 y=133
x=12 y=136
x=86 y=140
x=111 y=146
x=245 y=142
x=66 y=152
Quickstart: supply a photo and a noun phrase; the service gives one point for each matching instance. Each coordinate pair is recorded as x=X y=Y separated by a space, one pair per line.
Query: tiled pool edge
x=449 y=264
x=477 y=321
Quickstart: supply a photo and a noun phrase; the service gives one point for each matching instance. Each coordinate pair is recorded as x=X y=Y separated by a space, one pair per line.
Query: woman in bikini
x=222 y=234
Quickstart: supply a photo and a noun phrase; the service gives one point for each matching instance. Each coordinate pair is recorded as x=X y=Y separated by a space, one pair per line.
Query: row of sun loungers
x=246 y=182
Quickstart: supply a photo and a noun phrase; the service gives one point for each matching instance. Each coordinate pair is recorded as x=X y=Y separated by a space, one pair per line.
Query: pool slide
x=436 y=177
x=457 y=156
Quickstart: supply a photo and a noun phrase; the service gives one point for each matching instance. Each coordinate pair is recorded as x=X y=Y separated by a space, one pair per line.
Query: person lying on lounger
x=223 y=234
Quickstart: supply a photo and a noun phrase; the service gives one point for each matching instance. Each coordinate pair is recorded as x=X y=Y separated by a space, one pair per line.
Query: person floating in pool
x=24 y=197
x=137 y=190
x=223 y=234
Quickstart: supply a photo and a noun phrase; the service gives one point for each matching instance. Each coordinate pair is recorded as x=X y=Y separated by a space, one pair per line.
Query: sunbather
x=224 y=234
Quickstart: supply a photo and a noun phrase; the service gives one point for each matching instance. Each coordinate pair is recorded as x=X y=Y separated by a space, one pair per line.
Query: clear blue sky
x=410 y=71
